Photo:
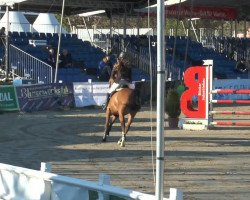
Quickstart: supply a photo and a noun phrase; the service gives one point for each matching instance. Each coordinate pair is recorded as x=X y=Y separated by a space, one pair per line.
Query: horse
x=124 y=102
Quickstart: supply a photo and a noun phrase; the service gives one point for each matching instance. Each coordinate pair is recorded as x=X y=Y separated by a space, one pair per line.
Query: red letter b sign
x=195 y=80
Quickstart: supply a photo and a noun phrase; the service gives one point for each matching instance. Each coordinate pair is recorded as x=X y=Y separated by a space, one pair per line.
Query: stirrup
x=104 y=106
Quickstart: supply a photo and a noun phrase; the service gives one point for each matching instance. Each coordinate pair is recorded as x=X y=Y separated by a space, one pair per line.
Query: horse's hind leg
x=130 y=120
x=107 y=126
x=121 y=141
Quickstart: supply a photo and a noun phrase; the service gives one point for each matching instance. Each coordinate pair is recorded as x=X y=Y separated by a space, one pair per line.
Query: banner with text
x=87 y=94
x=8 y=100
x=44 y=97
x=214 y=13
x=187 y=12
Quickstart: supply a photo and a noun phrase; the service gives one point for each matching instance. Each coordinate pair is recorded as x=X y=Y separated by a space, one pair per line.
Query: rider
x=121 y=75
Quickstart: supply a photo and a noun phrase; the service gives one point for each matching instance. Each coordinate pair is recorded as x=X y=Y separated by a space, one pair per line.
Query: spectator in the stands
x=104 y=69
x=2 y=31
x=241 y=66
x=2 y=35
x=65 y=58
x=51 y=60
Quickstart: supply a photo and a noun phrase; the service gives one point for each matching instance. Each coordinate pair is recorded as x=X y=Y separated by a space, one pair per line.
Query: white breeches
x=114 y=86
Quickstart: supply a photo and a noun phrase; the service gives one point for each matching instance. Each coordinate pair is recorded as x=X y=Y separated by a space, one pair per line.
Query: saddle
x=118 y=89
x=122 y=86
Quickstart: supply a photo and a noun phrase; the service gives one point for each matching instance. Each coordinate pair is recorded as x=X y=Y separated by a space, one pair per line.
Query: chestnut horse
x=126 y=101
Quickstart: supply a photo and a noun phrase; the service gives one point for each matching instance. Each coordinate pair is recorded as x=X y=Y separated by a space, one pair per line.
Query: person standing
x=51 y=60
x=65 y=58
x=104 y=69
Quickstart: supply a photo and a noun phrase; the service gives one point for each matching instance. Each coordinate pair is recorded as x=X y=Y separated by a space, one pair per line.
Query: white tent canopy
x=47 y=23
x=17 y=21
x=10 y=2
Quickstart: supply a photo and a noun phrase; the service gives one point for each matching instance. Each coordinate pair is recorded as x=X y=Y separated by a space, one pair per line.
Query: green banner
x=8 y=100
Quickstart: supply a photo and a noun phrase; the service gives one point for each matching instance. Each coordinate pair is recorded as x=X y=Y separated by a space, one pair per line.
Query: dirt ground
x=206 y=165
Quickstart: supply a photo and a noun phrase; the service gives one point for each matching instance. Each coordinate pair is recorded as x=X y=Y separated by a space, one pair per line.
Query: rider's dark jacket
x=126 y=71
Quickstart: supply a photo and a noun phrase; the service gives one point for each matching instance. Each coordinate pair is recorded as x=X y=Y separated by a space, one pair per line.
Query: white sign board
x=87 y=94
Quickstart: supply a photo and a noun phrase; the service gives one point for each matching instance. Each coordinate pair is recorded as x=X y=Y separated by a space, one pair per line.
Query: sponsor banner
x=87 y=94
x=44 y=97
x=100 y=93
x=8 y=100
x=202 y=12
x=176 y=11
x=233 y=84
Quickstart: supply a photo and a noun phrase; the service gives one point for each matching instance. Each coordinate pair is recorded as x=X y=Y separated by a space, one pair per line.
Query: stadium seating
x=188 y=53
x=84 y=55
x=87 y=56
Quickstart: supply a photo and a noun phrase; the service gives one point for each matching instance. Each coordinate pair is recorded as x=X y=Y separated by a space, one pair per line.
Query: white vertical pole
x=210 y=88
x=111 y=25
x=231 y=28
x=222 y=28
x=160 y=144
x=184 y=28
x=7 y=43
x=91 y=38
x=194 y=30
x=71 y=29
x=138 y=24
x=104 y=179
x=125 y=24
x=245 y=28
x=46 y=167
x=59 y=42
x=235 y=28
x=110 y=39
x=124 y=29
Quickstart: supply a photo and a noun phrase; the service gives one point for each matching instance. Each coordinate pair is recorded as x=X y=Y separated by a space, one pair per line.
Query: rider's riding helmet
x=122 y=56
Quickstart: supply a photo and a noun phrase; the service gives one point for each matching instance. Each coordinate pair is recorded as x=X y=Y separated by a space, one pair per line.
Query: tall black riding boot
x=107 y=101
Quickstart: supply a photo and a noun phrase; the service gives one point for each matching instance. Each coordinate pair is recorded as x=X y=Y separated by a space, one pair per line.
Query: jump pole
x=210 y=91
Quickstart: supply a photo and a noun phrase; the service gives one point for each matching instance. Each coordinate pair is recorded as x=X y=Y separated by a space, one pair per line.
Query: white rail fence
x=28 y=66
x=28 y=184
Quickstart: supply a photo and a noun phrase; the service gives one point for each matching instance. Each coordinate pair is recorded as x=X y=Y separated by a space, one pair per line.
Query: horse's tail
x=137 y=99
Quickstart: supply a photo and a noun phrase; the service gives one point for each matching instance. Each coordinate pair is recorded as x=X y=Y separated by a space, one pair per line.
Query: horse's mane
x=118 y=65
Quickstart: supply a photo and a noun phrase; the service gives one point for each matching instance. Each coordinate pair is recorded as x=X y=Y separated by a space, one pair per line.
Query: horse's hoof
x=119 y=141
x=122 y=144
x=103 y=139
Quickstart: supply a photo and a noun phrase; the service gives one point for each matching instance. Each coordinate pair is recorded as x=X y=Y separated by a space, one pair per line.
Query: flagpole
x=160 y=146
x=7 y=43
x=59 y=42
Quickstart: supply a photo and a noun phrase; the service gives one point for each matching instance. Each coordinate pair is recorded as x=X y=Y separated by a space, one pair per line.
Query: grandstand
x=181 y=52
x=29 y=42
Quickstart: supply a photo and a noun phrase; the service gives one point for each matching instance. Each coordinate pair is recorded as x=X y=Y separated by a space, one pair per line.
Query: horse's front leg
x=130 y=120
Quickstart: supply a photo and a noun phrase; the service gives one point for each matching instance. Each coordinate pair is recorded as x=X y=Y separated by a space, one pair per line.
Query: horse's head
x=118 y=65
